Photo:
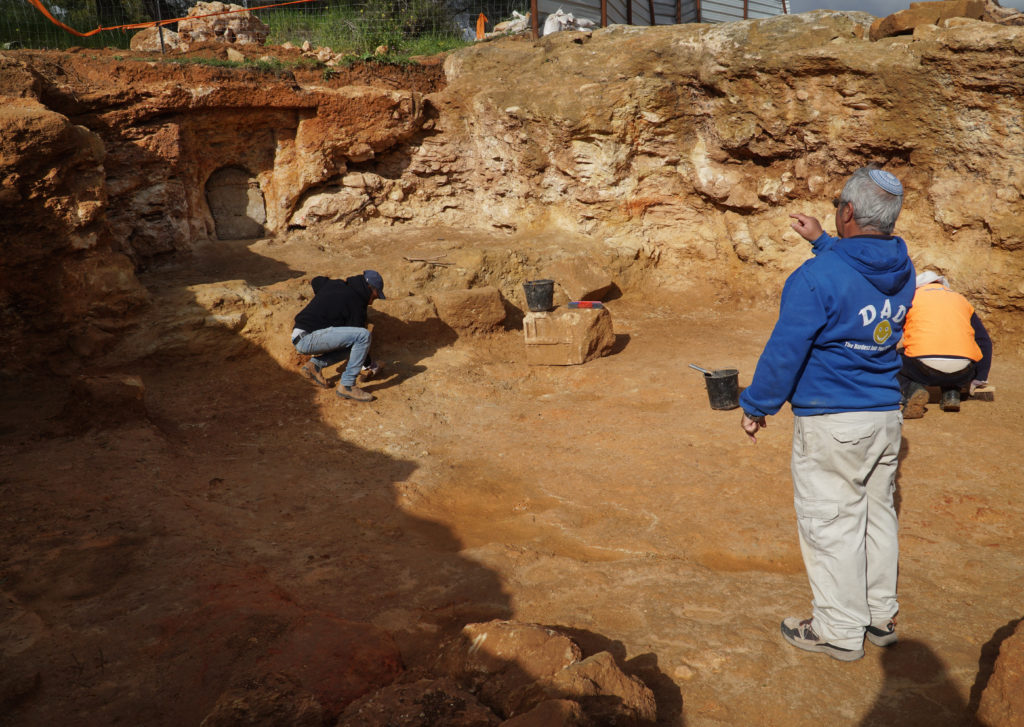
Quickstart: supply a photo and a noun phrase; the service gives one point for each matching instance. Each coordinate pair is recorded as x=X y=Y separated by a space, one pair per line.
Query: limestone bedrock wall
x=700 y=140
x=689 y=145
x=104 y=166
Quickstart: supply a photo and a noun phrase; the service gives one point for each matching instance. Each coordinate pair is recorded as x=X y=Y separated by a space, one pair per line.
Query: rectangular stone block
x=477 y=310
x=567 y=336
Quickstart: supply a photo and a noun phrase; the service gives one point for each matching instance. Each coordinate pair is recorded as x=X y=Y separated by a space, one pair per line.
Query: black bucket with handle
x=540 y=295
x=723 y=388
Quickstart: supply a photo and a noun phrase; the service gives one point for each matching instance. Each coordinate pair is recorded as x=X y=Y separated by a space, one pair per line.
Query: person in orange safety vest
x=944 y=345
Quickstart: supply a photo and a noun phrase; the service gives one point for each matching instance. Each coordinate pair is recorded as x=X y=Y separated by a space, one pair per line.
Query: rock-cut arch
x=236 y=204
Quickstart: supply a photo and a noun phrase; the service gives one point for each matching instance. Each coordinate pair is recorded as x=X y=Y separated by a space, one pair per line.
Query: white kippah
x=930 y=276
x=886 y=181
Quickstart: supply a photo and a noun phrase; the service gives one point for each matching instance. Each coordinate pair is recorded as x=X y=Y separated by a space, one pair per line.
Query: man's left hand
x=751 y=425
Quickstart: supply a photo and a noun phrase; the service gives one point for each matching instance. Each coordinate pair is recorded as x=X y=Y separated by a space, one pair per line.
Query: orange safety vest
x=939 y=324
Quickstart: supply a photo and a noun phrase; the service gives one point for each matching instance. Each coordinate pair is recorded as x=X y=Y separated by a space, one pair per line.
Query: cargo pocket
x=813 y=516
x=853 y=435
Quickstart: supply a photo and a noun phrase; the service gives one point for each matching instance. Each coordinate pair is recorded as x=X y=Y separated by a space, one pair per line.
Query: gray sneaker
x=801 y=635
x=882 y=635
x=353 y=392
x=311 y=372
x=917 y=398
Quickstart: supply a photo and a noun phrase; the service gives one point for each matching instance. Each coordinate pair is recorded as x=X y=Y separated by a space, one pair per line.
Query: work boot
x=354 y=392
x=917 y=398
x=801 y=635
x=312 y=372
x=950 y=400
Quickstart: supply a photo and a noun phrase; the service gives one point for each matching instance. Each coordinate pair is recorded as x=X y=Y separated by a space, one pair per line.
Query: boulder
x=424 y=702
x=567 y=336
x=506 y=664
x=925 y=13
x=477 y=310
x=580 y=278
x=410 y=309
x=1002 y=702
x=996 y=13
x=148 y=39
x=222 y=22
x=409 y=318
x=606 y=693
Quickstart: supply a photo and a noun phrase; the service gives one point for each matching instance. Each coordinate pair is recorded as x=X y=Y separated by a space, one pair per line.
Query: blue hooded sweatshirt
x=833 y=348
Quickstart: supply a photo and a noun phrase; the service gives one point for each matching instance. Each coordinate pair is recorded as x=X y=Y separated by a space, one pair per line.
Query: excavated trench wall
x=685 y=146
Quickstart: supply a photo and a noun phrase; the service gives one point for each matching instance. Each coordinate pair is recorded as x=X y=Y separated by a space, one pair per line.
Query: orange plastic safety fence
x=151 y=23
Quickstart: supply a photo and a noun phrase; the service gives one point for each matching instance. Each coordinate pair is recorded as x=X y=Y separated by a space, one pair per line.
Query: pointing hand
x=807 y=227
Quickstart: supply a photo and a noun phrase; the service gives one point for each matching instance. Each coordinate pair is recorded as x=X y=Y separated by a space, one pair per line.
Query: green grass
x=405 y=27
x=358 y=32
x=430 y=44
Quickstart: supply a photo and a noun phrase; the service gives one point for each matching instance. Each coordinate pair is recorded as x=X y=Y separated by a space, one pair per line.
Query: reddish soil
x=151 y=564
x=244 y=522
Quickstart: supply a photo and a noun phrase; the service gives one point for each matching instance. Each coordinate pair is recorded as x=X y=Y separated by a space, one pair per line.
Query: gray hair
x=874 y=209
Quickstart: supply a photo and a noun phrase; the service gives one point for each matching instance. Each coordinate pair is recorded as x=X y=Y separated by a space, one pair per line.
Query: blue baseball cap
x=375 y=281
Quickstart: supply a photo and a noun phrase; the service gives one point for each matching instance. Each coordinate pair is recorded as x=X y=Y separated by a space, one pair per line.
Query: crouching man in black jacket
x=333 y=327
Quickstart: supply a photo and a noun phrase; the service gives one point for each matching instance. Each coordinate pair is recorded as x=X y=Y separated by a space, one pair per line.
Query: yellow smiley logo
x=882 y=332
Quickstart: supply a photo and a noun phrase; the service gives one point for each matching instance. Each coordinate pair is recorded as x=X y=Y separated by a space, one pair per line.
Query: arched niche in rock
x=236 y=204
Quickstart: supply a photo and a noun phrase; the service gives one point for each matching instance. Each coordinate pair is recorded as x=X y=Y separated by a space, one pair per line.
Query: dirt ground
x=150 y=564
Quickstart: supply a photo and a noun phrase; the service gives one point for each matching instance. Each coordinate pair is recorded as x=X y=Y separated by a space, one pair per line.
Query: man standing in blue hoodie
x=833 y=356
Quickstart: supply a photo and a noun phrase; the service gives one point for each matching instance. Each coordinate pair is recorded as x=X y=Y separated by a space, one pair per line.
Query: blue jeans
x=329 y=346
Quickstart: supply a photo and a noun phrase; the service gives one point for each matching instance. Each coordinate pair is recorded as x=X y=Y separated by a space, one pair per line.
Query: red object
x=481 y=26
x=586 y=304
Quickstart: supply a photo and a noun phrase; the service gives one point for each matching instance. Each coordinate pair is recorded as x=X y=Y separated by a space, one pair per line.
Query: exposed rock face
x=676 y=145
x=944 y=13
x=926 y=13
x=1002 y=702
x=695 y=141
x=57 y=264
x=80 y=208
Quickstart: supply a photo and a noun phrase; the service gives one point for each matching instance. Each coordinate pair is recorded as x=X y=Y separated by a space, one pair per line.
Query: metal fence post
x=160 y=25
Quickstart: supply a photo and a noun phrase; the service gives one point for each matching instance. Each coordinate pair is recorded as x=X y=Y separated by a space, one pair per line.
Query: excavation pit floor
x=146 y=565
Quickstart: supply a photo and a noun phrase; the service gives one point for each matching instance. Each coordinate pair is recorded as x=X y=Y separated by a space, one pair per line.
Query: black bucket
x=723 y=388
x=540 y=295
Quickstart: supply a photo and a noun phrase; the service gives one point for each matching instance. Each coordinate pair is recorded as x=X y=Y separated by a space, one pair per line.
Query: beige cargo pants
x=844 y=473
